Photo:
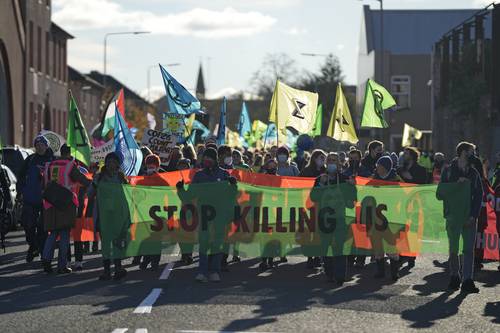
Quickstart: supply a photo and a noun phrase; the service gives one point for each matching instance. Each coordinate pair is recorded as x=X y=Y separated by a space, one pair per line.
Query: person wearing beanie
x=384 y=171
x=29 y=191
x=209 y=268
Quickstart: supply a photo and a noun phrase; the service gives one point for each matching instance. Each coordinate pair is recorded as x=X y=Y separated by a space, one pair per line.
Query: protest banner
x=98 y=154
x=174 y=124
x=266 y=221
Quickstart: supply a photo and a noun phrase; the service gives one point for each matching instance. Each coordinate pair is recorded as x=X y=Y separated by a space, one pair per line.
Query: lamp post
x=106 y=43
x=149 y=76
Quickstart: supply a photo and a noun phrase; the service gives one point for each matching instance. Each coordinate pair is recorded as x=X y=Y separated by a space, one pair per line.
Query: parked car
x=14 y=157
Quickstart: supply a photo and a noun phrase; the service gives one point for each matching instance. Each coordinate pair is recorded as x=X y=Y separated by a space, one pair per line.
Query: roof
x=75 y=75
x=57 y=29
x=200 y=83
x=413 y=31
x=117 y=85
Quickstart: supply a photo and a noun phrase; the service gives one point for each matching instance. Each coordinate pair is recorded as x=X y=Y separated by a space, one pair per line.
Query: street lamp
x=149 y=76
x=106 y=42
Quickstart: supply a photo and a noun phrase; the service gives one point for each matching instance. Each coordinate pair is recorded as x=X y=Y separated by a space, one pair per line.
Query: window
x=39 y=48
x=401 y=91
x=31 y=38
x=47 y=53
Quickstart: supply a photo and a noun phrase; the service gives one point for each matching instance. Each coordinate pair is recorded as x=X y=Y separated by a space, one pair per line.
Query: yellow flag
x=189 y=125
x=232 y=138
x=341 y=126
x=409 y=135
x=291 y=107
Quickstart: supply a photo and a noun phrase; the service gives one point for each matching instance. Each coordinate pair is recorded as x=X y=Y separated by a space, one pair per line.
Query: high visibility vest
x=59 y=171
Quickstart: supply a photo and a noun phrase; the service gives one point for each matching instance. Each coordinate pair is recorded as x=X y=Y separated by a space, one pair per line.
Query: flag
x=256 y=133
x=77 y=138
x=126 y=147
x=410 y=134
x=188 y=125
x=292 y=108
x=341 y=126
x=178 y=98
x=198 y=126
x=377 y=99
x=108 y=121
x=318 y=123
x=151 y=121
x=233 y=138
x=244 y=126
x=221 y=131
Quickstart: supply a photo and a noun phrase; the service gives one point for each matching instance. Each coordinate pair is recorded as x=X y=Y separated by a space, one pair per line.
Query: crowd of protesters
x=49 y=189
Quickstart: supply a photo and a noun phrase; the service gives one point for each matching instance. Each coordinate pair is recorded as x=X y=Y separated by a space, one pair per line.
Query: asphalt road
x=289 y=298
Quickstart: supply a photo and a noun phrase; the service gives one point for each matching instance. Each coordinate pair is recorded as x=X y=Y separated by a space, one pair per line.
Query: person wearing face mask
x=152 y=163
x=384 y=171
x=284 y=166
x=411 y=171
x=225 y=154
x=461 y=170
x=316 y=165
x=29 y=189
x=439 y=165
x=334 y=266
x=110 y=173
x=375 y=151
x=270 y=167
x=314 y=168
x=354 y=167
x=209 y=265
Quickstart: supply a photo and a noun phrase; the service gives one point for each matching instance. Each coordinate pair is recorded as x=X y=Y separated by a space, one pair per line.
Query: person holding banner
x=384 y=171
x=336 y=198
x=209 y=268
x=110 y=173
x=460 y=223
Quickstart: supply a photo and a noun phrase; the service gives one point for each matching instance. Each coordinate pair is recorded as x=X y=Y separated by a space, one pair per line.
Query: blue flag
x=198 y=126
x=244 y=125
x=126 y=147
x=221 y=132
x=179 y=99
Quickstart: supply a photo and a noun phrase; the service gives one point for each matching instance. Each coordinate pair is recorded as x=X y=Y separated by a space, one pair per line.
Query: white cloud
x=85 y=55
x=155 y=93
x=296 y=31
x=482 y=3
x=199 y=22
x=233 y=93
x=340 y=47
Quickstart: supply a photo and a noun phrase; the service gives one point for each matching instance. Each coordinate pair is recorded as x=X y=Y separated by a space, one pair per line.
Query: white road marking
x=147 y=303
x=120 y=330
x=166 y=272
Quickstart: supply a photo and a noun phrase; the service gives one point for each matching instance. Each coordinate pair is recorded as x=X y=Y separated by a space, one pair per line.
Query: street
x=289 y=298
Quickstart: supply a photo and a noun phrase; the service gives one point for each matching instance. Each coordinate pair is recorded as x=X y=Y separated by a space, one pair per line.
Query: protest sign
x=98 y=154
x=174 y=124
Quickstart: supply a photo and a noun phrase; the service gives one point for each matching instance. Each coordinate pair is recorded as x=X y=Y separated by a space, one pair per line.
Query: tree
x=274 y=66
x=325 y=84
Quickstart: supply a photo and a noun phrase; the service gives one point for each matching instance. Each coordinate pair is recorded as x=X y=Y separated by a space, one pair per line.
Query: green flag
x=77 y=138
x=377 y=99
x=318 y=123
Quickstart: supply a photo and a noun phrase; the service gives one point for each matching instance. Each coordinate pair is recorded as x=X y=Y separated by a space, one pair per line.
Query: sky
x=230 y=38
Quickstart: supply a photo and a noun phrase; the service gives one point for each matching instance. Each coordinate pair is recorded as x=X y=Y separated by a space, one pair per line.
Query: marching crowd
x=50 y=189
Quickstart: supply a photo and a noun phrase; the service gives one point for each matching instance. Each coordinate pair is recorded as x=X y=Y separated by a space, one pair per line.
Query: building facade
x=400 y=59
x=12 y=49
x=88 y=94
x=33 y=71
